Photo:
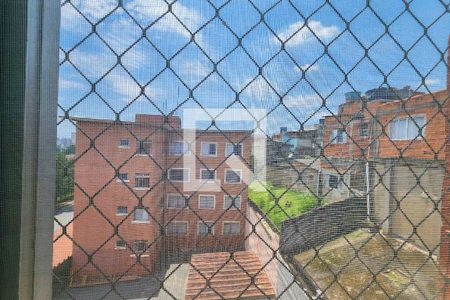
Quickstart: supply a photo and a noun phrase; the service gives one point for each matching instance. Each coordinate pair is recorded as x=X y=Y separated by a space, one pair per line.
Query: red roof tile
x=62 y=248
x=230 y=278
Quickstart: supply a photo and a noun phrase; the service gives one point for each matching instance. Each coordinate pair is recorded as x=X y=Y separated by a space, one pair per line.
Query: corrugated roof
x=228 y=278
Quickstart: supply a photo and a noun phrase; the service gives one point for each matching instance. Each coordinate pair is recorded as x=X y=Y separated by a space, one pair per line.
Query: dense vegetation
x=64 y=176
x=291 y=203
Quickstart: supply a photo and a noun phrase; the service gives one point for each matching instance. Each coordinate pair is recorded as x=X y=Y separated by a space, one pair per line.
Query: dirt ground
x=380 y=268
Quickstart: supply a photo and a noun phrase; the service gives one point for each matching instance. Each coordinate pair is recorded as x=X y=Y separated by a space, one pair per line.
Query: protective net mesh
x=225 y=150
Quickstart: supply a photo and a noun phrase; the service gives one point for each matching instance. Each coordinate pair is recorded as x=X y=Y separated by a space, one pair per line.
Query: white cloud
x=194 y=68
x=310 y=68
x=430 y=82
x=126 y=88
x=304 y=34
x=70 y=84
x=259 y=89
x=151 y=10
x=94 y=10
x=306 y=102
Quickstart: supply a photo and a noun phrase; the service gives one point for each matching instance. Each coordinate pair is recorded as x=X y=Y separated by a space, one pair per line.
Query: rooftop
x=229 y=278
x=377 y=273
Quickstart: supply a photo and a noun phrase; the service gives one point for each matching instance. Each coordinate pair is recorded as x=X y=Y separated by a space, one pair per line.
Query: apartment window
x=338 y=136
x=177 y=228
x=140 y=215
x=208 y=149
x=142 y=180
x=205 y=228
x=176 y=201
x=406 y=128
x=140 y=246
x=206 y=174
x=334 y=181
x=143 y=148
x=207 y=202
x=232 y=176
x=363 y=129
x=179 y=174
x=228 y=202
x=177 y=148
x=121 y=210
x=122 y=177
x=231 y=149
x=121 y=244
x=231 y=228
x=124 y=143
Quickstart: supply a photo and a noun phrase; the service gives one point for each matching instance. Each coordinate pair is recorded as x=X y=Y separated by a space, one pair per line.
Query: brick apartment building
x=372 y=140
x=384 y=128
x=152 y=196
x=444 y=257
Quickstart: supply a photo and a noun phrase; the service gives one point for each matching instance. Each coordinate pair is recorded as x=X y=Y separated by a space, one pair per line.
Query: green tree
x=64 y=178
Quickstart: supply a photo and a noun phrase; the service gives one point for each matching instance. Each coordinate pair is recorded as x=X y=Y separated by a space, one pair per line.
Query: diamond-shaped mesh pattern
x=291 y=184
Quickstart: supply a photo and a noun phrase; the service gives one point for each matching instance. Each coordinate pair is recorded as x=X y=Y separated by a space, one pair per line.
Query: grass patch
x=292 y=203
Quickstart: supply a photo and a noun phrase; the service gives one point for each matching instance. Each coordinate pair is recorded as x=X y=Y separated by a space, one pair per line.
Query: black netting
x=224 y=150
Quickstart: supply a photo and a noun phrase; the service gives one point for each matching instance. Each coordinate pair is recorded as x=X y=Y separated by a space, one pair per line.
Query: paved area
x=64 y=216
x=143 y=288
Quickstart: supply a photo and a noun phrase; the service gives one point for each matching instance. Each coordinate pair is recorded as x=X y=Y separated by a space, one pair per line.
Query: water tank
x=352 y=96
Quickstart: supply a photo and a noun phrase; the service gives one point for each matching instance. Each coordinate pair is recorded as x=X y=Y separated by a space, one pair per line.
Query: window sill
x=143 y=155
x=121 y=215
x=142 y=255
x=122 y=181
x=120 y=248
x=141 y=188
x=140 y=222
x=240 y=182
x=123 y=147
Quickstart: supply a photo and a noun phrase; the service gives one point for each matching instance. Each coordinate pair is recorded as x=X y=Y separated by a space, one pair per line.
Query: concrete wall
x=287 y=175
x=400 y=202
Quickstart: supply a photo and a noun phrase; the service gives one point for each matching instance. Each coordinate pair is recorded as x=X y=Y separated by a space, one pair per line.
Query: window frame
x=232 y=207
x=120 y=247
x=141 y=176
x=139 y=148
x=184 y=151
x=172 y=194
x=188 y=174
x=233 y=153
x=120 y=146
x=209 y=143
x=134 y=221
x=231 y=222
x=38 y=27
x=340 y=137
x=208 y=180
x=122 y=180
x=409 y=121
x=139 y=241
x=206 y=208
x=234 y=170
x=366 y=125
x=177 y=234
x=121 y=214
x=199 y=223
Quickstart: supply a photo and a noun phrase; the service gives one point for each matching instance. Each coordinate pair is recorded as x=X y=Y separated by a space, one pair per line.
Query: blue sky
x=165 y=89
